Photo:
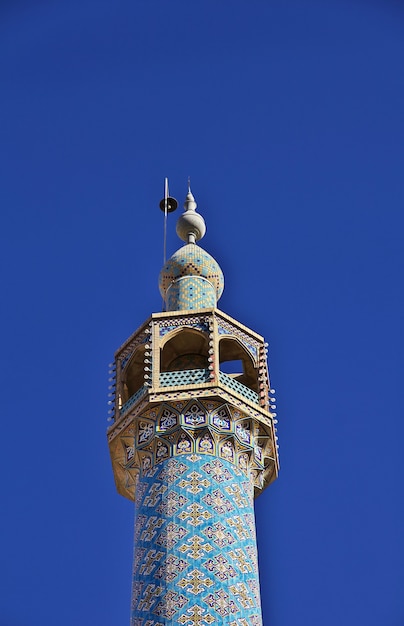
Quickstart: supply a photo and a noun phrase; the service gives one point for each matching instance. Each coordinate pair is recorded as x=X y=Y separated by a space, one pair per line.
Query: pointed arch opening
x=237 y=363
x=187 y=349
x=133 y=375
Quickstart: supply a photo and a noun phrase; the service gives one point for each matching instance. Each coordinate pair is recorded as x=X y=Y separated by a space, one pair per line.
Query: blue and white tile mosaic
x=195 y=561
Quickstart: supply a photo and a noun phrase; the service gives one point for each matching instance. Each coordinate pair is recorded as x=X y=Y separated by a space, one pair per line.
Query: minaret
x=193 y=441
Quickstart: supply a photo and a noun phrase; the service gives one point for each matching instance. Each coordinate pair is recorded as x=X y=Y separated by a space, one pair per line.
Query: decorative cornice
x=202 y=426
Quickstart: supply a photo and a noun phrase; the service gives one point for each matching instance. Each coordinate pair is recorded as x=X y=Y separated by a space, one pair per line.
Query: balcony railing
x=248 y=393
x=133 y=399
x=189 y=377
x=184 y=377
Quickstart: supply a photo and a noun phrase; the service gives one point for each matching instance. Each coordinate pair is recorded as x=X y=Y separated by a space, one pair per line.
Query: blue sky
x=288 y=116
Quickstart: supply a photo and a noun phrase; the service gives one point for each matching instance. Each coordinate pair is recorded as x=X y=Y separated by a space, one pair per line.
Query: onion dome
x=191 y=278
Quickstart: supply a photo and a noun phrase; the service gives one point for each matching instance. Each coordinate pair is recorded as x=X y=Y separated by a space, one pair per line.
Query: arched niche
x=185 y=349
x=237 y=362
x=133 y=374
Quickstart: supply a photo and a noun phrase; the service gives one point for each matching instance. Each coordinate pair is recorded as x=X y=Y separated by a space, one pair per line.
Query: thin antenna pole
x=165 y=219
x=167 y=205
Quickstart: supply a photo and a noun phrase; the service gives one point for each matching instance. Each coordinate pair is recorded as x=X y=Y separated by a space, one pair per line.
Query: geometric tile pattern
x=195 y=560
x=191 y=279
x=196 y=426
x=184 y=376
x=239 y=387
x=207 y=427
x=224 y=328
x=190 y=292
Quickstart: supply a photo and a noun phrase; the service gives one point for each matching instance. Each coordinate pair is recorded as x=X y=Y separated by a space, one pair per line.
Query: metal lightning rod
x=165 y=219
x=167 y=205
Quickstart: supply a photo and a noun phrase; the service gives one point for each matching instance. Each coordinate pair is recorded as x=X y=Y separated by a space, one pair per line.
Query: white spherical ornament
x=191 y=223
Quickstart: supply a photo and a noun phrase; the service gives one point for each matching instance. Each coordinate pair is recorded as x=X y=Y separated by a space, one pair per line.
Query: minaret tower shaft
x=193 y=441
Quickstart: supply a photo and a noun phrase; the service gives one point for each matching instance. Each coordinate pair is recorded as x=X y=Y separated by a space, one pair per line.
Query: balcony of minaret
x=185 y=356
x=182 y=351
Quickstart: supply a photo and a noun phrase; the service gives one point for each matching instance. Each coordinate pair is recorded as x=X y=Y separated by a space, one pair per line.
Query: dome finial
x=190 y=225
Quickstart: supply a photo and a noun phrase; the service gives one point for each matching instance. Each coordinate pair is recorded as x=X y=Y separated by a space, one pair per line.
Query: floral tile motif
x=171 y=604
x=195 y=415
x=138 y=557
x=170 y=569
x=154 y=494
x=227 y=450
x=237 y=494
x=146 y=432
x=251 y=550
x=136 y=592
x=255 y=589
x=141 y=490
x=241 y=560
x=243 y=595
x=194 y=483
x=195 y=547
x=217 y=470
x=195 y=514
x=171 y=470
x=149 y=597
x=221 y=602
x=195 y=582
x=218 y=501
x=222 y=420
x=168 y=420
x=139 y=523
x=249 y=519
x=239 y=528
x=171 y=535
x=171 y=504
x=150 y=561
x=196 y=616
x=219 y=534
x=184 y=444
x=206 y=444
x=220 y=567
x=151 y=526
